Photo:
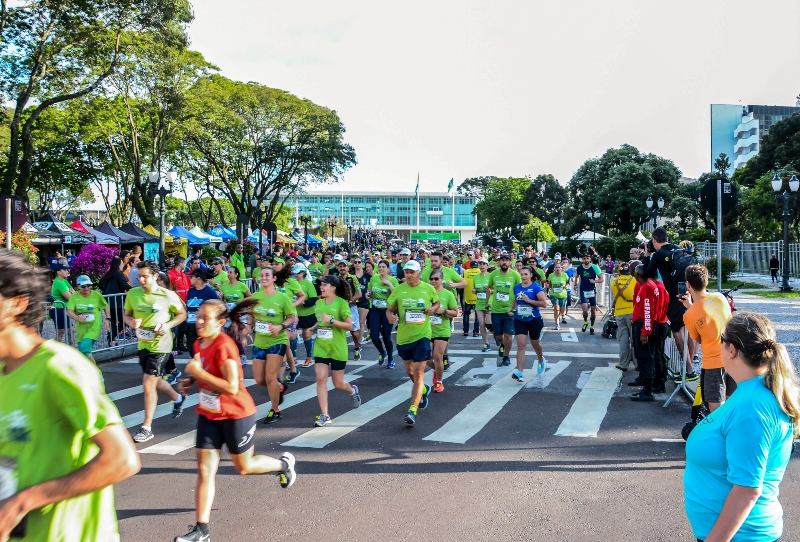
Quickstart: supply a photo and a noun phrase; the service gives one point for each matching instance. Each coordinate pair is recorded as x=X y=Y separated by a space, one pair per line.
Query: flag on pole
x=416 y=190
x=450 y=186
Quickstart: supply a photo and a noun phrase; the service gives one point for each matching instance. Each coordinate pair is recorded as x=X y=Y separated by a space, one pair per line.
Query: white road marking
x=129 y=360
x=583 y=379
x=570 y=336
x=125 y=393
x=669 y=440
x=319 y=437
x=543 y=380
x=554 y=354
x=185 y=441
x=591 y=406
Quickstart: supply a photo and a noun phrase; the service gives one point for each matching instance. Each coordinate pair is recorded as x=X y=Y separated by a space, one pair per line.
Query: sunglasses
x=84 y=285
x=356 y=261
x=435 y=278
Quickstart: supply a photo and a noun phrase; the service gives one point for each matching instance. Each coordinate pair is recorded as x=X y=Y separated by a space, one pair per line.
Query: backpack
x=679 y=259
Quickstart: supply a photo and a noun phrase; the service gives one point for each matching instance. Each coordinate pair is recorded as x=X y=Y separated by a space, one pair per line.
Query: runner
x=315 y=268
x=566 y=267
x=61 y=291
x=63 y=443
x=586 y=277
x=501 y=285
x=306 y=320
x=84 y=308
x=342 y=271
x=410 y=306
x=218 y=275
x=528 y=297
x=451 y=281
x=199 y=292
x=231 y=293
x=468 y=307
x=479 y=283
x=226 y=412
x=440 y=326
x=558 y=281
x=363 y=303
x=380 y=287
x=287 y=284
x=333 y=316
x=152 y=311
x=273 y=315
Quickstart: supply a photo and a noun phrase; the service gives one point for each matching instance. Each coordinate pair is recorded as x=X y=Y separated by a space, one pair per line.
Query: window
x=403 y=221
x=403 y=200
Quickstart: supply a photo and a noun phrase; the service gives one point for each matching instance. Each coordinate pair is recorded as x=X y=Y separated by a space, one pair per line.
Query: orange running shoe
x=438 y=387
x=308 y=362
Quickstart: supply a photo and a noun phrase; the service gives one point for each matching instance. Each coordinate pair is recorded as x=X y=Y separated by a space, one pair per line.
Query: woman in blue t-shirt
x=736 y=457
x=528 y=297
x=199 y=292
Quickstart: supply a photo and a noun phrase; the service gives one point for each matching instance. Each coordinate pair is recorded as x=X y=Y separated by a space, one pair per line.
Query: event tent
x=40 y=236
x=124 y=238
x=197 y=232
x=70 y=236
x=253 y=237
x=587 y=236
x=155 y=233
x=101 y=238
x=222 y=231
x=133 y=229
x=183 y=233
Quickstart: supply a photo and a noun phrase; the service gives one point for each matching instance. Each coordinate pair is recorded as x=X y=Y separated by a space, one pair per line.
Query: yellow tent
x=284 y=240
x=171 y=245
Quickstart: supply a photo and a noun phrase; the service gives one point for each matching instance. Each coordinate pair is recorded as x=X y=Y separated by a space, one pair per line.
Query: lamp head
x=660 y=203
x=597 y=214
x=172 y=175
x=777 y=183
x=153 y=176
x=794 y=183
x=649 y=202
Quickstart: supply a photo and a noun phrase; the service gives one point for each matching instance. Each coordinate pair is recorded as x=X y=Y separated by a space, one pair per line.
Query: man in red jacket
x=180 y=284
x=645 y=303
x=662 y=328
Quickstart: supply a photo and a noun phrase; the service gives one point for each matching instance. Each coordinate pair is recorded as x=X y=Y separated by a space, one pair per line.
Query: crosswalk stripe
x=320 y=437
x=591 y=406
x=125 y=393
x=554 y=354
x=543 y=380
x=185 y=441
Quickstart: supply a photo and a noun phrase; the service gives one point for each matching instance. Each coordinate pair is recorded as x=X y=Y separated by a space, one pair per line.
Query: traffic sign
x=19 y=213
x=708 y=197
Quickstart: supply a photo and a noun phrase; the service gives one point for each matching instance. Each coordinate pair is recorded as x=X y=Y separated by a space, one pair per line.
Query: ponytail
x=341 y=286
x=782 y=380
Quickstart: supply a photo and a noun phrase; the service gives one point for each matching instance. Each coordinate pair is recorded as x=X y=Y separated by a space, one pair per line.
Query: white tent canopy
x=196 y=231
x=640 y=236
x=587 y=236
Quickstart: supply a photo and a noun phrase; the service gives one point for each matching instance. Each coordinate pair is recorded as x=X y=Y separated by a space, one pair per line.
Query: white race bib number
x=8 y=480
x=558 y=289
x=209 y=401
x=324 y=333
x=524 y=310
x=415 y=317
x=191 y=318
x=500 y=296
x=379 y=303
x=145 y=334
x=230 y=306
x=262 y=327
x=89 y=317
x=588 y=294
x=436 y=320
x=481 y=295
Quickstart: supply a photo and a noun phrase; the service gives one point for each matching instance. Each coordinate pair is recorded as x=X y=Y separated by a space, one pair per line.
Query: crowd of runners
x=323 y=299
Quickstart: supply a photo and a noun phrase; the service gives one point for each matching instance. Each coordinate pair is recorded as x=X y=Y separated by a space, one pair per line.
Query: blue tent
x=313 y=241
x=183 y=233
x=253 y=238
x=221 y=231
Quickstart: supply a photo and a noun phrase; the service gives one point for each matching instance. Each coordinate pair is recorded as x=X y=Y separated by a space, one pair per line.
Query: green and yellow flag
x=416 y=190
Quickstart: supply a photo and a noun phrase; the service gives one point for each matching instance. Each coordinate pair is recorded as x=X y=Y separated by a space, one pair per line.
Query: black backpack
x=679 y=259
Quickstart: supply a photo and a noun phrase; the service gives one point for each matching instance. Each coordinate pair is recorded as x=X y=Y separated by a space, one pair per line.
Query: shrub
x=21 y=241
x=729 y=266
x=93 y=260
x=209 y=253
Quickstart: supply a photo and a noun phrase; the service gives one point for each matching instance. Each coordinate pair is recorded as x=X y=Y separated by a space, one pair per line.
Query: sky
x=458 y=89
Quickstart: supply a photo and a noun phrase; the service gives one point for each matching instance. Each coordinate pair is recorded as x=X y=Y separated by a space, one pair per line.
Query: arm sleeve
x=651 y=268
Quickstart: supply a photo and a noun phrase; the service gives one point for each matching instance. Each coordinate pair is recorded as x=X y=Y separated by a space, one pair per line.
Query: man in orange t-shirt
x=706 y=317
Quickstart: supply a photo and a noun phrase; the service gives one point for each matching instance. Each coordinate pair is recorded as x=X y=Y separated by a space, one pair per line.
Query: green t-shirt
x=558 y=285
x=291 y=288
x=503 y=286
x=60 y=287
x=311 y=292
x=411 y=303
x=157 y=307
x=237 y=261
x=88 y=305
x=450 y=275
x=316 y=270
x=233 y=293
x=273 y=309
x=331 y=341
x=440 y=324
x=379 y=292
x=541 y=273
x=50 y=408
x=220 y=279
x=479 y=282
x=256 y=275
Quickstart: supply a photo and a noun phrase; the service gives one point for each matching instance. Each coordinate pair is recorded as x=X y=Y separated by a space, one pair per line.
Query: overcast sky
x=467 y=88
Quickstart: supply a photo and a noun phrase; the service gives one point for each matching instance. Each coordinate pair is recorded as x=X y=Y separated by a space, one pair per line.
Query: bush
x=209 y=253
x=729 y=266
x=698 y=235
x=22 y=242
x=94 y=260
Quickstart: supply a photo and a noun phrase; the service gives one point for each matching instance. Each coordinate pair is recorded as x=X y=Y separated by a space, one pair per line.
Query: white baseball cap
x=405 y=251
x=337 y=257
x=412 y=265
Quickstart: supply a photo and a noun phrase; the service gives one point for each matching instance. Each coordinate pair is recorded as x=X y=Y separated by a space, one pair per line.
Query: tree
x=779 y=149
x=502 y=204
x=543 y=234
x=722 y=164
x=475 y=187
x=760 y=213
x=54 y=52
x=545 y=198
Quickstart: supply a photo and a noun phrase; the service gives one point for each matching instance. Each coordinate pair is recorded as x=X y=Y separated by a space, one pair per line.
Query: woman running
x=332 y=311
x=231 y=292
x=479 y=283
x=199 y=292
x=227 y=413
x=440 y=327
x=305 y=312
x=273 y=315
x=287 y=284
x=528 y=297
x=558 y=282
x=380 y=287
x=363 y=303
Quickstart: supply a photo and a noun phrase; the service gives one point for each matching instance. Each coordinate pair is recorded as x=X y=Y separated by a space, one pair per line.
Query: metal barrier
x=752 y=257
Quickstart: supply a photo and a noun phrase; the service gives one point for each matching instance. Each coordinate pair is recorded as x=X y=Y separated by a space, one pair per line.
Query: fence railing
x=752 y=257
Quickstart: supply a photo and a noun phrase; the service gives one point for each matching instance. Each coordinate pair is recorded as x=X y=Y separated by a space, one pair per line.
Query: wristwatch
x=332 y=320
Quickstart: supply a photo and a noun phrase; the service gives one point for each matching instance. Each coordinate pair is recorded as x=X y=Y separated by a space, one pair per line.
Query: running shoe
x=173 y=377
x=322 y=420
x=541 y=366
x=585 y=325
x=142 y=435
x=355 y=398
x=272 y=416
x=357 y=354
x=438 y=386
x=506 y=362
x=292 y=376
x=195 y=535
x=390 y=365
x=564 y=320
x=501 y=351
x=411 y=417
x=308 y=362
x=591 y=330
x=476 y=334
x=280 y=395
x=446 y=363
x=368 y=338
x=287 y=476
x=381 y=359
x=518 y=376
x=691 y=377
x=243 y=359
x=556 y=327
x=423 y=403
x=177 y=408
x=485 y=348
x=466 y=334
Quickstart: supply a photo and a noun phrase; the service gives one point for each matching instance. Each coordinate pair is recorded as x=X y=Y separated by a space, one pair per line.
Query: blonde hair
x=754 y=336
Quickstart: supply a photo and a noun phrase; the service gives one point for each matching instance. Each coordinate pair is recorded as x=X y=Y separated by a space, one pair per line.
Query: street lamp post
x=655 y=212
x=593 y=216
x=349 y=236
x=161 y=192
x=537 y=224
x=332 y=224
x=559 y=221
x=259 y=216
x=786 y=197
x=305 y=219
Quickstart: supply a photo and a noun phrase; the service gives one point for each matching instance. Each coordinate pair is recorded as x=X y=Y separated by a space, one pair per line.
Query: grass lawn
x=777 y=294
x=712 y=283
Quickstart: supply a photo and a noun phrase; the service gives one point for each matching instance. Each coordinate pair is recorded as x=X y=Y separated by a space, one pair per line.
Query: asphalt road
x=567 y=456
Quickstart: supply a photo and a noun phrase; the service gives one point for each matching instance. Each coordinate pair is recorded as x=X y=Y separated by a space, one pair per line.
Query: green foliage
x=759 y=212
x=544 y=233
x=698 y=235
x=780 y=148
x=545 y=198
x=729 y=266
x=619 y=246
x=209 y=253
x=502 y=204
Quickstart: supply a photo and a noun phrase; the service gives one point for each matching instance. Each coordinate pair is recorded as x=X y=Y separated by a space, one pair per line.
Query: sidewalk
x=766 y=280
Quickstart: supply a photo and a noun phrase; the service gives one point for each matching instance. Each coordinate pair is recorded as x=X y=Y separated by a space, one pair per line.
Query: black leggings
x=468 y=309
x=379 y=326
x=191 y=337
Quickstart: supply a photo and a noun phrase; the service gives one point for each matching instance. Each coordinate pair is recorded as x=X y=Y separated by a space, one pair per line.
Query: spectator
x=70 y=257
x=112 y=284
x=237 y=260
x=643 y=328
x=253 y=257
x=774 y=265
x=180 y=284
x=609 y=264
x=622 y=290
x=133 y=275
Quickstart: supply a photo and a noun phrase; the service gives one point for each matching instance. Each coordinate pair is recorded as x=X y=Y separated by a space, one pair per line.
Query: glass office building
x=395 y=212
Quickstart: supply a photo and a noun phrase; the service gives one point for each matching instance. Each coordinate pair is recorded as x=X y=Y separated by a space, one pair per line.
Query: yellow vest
x=622 y=293
x=469 y=297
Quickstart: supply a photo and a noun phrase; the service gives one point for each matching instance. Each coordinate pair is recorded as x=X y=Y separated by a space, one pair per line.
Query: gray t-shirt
x=133 y=277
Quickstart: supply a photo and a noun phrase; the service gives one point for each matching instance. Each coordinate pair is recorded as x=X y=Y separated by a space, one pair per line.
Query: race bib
x=500 y=296
x=558 y=289
x=380 y=303
x=589 y=294
x=436 y=320
x=191 y=318
x=230 y=306
x=8 y=478
x=262 y=327
x=524 y=310
x=89 y=317
x=209 y=401
x=324 y=333
x=146 y=334
x=415 y=317
x=481 y=295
